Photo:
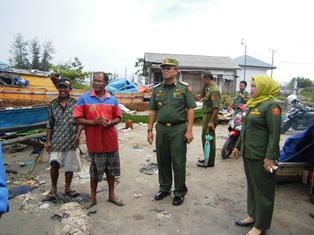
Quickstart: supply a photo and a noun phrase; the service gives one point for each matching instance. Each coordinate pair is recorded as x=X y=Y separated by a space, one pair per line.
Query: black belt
x=171 y=123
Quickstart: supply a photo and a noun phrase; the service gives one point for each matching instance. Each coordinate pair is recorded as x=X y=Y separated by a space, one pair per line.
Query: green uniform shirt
x=261 y=130
x=172 y=101
x=238 y=100
x=211 y=98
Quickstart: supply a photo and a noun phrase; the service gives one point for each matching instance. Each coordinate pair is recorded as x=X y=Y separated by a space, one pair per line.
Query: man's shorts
x=101 y=163
x=70 y=160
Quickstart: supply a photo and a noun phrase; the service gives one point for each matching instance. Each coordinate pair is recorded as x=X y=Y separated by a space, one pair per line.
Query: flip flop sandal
x=88 y=205
x=117 y=202
x=72 y=193
x=51 y=196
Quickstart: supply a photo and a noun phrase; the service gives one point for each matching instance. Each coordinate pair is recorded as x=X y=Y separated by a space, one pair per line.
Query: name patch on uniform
x=178 y=92
x=256 y=112
x=160 y=94
x=276 y=111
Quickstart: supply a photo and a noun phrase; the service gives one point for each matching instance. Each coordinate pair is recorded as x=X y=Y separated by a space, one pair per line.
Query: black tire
x=228 y=147
x=285 y=126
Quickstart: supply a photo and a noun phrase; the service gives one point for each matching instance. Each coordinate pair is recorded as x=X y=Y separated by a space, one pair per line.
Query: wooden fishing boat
x=23 y=88
x=23 y=119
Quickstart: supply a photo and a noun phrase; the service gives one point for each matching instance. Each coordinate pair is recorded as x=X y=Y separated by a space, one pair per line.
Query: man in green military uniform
x=241 y=98
x=211 y=103
x=172 y=102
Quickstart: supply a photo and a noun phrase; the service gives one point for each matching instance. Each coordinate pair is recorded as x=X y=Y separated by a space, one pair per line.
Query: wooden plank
x=23 y=139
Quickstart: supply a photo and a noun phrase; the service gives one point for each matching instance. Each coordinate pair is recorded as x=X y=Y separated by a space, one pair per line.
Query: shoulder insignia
x=276 y=111
x=184 y=83
x=189 y=88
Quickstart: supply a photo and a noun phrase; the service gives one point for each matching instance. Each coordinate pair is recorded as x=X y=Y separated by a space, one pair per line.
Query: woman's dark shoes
x=160 y=195
x=177 y=200
x=243 y=224
x=201 y=161
x=203 y=165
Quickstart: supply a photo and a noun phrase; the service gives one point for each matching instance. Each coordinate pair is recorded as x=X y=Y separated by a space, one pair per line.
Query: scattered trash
x=60 y=217
x=92 y=212
x=14 y=192
x=157 y=209
x=31 y=182
x=137 y=195
x=149 y=169
x=137 y=216
x=84 y=176
x=164 y=216
x=44 y=206
x=148 y=157
x=11 y=171
x=137 y=147
x=29 y=163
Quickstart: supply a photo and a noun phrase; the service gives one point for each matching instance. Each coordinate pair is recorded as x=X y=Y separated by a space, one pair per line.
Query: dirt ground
x=216 y=196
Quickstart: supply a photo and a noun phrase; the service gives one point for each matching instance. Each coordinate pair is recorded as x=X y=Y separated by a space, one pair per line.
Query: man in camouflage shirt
x=63 y=139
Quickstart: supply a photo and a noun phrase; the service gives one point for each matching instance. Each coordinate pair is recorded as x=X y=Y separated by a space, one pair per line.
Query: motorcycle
x=234 y=128
x=299 y=117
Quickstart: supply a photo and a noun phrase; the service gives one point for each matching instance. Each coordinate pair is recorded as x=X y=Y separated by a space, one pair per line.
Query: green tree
x=142 y=68
x=301 y=82
x=35 y=54
x=46 y=58
x=19 y=53
x=72 y=70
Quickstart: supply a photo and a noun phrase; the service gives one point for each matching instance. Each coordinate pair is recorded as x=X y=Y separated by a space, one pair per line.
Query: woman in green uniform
x=259 y=145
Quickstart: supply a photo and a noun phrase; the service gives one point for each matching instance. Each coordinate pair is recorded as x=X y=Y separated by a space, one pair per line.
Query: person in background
x=241 y=98
x=63 y=139
x=211 y=103
x=99 y=112
x=4 y=193
x=259 y=145
x=173 y=103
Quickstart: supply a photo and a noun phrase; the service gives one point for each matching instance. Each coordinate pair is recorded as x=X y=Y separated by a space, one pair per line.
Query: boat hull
x=23 y=119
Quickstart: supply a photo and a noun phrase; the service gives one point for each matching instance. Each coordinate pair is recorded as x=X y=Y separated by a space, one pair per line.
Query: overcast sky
x=110 y=35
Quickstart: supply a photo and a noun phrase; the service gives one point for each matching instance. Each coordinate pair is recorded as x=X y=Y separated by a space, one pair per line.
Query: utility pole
x=243 y=42
x=272 y=60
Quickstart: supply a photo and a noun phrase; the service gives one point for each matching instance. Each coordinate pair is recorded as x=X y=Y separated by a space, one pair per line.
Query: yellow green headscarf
x=267 y=88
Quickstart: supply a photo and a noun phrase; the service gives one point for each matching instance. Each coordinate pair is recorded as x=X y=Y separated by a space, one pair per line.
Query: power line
x=296 y=63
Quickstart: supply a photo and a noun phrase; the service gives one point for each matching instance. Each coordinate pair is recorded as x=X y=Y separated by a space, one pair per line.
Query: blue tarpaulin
x=299 y=147
x=122 y=85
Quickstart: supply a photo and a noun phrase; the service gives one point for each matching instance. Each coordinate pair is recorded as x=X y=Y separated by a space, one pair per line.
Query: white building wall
x=250 y=71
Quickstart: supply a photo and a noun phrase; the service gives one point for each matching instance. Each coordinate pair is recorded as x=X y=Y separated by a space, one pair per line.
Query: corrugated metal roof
x=252 y=62
x=194 y=61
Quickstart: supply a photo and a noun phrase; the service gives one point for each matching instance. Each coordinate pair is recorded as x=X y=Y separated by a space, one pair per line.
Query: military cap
x=170 y=62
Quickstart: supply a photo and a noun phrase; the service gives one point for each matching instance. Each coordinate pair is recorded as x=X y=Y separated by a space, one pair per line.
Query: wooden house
x=224 y=70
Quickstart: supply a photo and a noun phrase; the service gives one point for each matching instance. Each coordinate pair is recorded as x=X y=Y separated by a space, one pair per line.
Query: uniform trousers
x=171 y=155
x=260 y=193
